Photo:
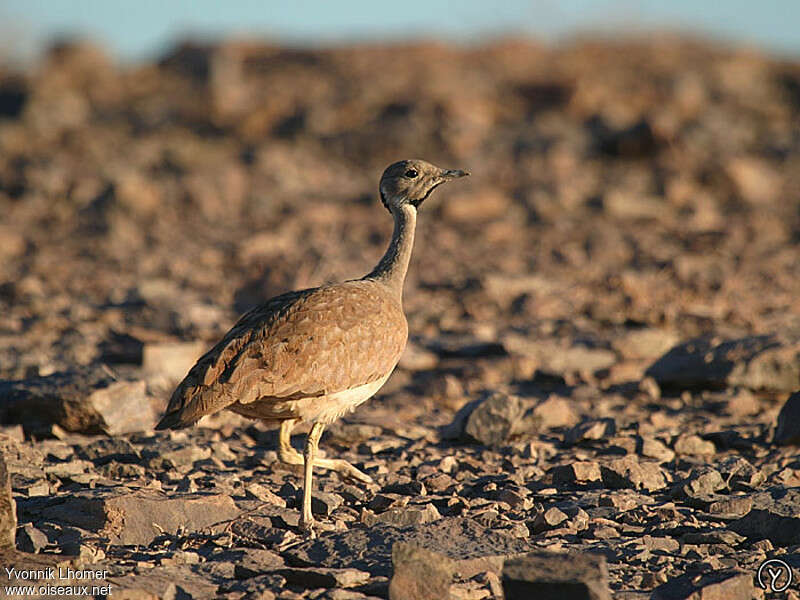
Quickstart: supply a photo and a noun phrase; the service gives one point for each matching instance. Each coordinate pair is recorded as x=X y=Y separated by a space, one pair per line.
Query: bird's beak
x=454 y=173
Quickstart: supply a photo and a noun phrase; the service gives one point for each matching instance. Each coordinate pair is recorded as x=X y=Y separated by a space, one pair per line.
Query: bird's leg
x=287 y=454
x=312 y=443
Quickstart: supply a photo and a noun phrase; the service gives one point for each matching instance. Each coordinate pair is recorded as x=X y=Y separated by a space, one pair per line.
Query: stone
x=8 y=508
x=419 y=574
x=322 y=503
x=550 y=576
x=86 y=400
x=628 y=472
x=721 y=585
x=250 y=562
x=494 y=419
x=689 y=444
x=402 y=517
x=715 y=536
x=645 y=343
x=787 y=431
x=547 y=519
x=138 y=517
x=406 y=488
x=171 y=360
x=579 y=471
x=735 y=507
x=554 y=412
x=593 y=429
x=653 y=448
x=259 y=492
x=773 y=516
x=702 y=482
x=320 y=577
x=755 y=180
x=473 y=546
x=162 y=582
x=765 y=362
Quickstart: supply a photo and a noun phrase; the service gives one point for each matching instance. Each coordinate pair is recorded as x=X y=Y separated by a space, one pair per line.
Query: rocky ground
x=605 y=328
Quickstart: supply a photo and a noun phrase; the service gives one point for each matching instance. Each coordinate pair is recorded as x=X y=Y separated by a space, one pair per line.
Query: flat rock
x=403 y=517
x=766 y=362
x=419 y=574
x=369 y=549
x=628 y=472
x=162 y=582
x=579 y=471
x=787 y=431
x=250 y=562
x=320 y=577
x=138 y=517
x=551 y=576
x=773 y=516
x=725 y=585
x=86 y=400
x=694 y=445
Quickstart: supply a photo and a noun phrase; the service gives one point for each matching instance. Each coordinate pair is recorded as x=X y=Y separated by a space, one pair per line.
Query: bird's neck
x=391 y=270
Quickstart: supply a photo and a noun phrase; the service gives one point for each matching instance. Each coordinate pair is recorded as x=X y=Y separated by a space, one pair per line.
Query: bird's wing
x=299 y=345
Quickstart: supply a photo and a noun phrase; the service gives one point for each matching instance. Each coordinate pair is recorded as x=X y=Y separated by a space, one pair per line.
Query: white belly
x=329 y=408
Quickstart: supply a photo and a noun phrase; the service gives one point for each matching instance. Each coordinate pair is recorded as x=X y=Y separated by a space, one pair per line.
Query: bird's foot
x=313 y=527
x=343 y=468
x=348 y=470
x=308 y=527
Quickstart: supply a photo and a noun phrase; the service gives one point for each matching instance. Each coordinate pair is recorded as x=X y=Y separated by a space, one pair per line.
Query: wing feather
x=299 y=345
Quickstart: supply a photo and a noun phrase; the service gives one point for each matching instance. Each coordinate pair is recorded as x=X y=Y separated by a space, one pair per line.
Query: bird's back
x=298 y=345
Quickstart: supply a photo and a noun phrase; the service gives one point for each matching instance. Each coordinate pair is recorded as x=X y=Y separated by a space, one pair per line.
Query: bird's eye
x=411 y=173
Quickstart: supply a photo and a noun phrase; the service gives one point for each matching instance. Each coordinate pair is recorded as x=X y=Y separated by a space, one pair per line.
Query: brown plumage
x=282 y=358
x=312 y=355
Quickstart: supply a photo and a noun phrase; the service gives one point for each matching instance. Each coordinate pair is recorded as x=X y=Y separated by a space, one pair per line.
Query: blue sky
x=139 y=29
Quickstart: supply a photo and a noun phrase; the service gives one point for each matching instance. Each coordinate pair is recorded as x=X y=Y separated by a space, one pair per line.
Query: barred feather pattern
x=297 y=356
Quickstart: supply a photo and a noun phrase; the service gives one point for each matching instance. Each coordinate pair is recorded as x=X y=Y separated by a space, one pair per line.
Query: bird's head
x=412 y=181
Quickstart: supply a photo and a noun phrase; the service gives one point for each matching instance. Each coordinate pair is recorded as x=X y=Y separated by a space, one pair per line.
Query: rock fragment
x=87 y=400
x=138 y=518
x=419 y=574
x=557 y=576
x=319 y=577
x=628 y=472
x=787 y=431
x=490 y=420
x=766 y=362
x=402 y=517
x=723 y=585
x=773 y=516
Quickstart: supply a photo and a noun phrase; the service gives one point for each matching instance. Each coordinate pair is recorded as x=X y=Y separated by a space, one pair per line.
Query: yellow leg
x=312 y=443
x=287 y=454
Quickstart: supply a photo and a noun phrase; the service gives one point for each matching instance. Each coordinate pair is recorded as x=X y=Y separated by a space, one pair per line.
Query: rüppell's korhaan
x=313 y=355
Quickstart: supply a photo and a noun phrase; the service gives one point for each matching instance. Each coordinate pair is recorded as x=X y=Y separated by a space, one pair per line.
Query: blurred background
x=141 y=30
x=166 y=165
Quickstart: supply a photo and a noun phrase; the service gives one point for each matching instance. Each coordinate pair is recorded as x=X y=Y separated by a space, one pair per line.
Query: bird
x=312 y=355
